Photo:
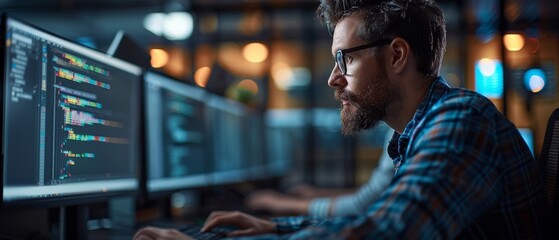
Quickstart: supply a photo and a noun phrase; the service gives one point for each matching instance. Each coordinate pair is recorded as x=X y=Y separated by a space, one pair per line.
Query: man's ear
x=400 y=53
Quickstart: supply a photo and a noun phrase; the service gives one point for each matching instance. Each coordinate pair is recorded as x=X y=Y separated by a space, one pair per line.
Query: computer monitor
x=284 y=136
x=70 y=120
x=177 y=155
x=126 y=48
x=256 y=144
x=227 y=119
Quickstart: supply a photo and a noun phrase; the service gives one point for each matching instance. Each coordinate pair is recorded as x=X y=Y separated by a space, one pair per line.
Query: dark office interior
x=232 y=95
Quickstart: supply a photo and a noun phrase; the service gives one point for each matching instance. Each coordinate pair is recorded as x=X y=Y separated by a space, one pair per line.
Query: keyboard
x=194 y=232
x=190 y=229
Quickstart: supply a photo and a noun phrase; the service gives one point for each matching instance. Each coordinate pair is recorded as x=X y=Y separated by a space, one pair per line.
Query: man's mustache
x=344 y=95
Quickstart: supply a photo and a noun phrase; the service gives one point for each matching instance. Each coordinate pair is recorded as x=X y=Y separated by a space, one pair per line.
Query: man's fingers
x=142 y=237
x=145 y=233
x=153 y=233
x=221 y=218
x=242 y=232
x=216 y=213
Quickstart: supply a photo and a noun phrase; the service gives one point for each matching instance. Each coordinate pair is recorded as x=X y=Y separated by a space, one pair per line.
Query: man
x=462 y=169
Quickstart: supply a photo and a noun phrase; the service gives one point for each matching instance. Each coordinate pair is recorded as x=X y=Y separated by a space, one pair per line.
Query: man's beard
x=365 y=111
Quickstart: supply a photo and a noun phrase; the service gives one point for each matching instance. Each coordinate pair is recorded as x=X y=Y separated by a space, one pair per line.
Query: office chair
x=549 y=158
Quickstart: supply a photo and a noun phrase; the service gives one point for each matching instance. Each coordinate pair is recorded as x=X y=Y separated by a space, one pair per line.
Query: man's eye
x=348 y=59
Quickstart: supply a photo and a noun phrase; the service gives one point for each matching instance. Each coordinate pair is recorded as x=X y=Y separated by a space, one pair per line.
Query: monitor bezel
x=73 y=198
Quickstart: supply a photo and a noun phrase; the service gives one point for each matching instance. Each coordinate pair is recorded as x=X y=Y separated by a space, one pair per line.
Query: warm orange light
x=159 y=58
x=178 y=65
x=513 y=42
x=202 y=75
x=250 y=85
x=255 y=52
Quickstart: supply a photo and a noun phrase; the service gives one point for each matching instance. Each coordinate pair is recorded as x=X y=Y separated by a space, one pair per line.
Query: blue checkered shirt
x=462 y=172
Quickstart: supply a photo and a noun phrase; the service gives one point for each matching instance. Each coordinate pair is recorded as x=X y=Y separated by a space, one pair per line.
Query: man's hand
x=153 y=233
x=277 y=203
x=304 y=191
x=248 y=224
x=266 y=200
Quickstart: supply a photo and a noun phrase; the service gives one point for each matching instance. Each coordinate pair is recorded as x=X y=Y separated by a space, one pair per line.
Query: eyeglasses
x=340 y=54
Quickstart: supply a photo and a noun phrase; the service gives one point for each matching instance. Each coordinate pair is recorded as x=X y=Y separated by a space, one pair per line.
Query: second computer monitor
x=175 y=135
x=256 y=145
x=228 y=124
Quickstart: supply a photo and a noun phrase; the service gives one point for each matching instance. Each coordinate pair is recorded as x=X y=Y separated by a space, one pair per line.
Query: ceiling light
x=173 y=26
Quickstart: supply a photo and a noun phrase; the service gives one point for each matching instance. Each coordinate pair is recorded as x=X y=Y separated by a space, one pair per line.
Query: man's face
x=364 y=90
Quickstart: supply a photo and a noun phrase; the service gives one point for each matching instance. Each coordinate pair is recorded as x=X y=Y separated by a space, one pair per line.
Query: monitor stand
x=73 y=222
x=122 y=212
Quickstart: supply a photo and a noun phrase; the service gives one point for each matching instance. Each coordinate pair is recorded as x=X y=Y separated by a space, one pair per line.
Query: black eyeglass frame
x=340 y=54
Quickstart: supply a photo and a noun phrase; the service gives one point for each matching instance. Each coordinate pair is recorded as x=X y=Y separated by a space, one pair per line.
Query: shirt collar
x=399 y=142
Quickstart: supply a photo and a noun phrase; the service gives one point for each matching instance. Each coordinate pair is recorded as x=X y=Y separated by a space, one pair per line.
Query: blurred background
x=274 y=55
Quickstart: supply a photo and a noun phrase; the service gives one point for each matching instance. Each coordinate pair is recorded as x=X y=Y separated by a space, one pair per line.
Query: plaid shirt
x=462 y=171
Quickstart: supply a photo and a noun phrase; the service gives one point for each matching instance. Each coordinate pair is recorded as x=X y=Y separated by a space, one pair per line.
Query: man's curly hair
x=420 y=22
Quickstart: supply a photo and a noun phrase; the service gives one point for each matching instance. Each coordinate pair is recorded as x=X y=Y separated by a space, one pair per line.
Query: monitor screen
x=176 y=143
x=285 y=136
x=70 y=120
x=228 y=140
x=256 y=146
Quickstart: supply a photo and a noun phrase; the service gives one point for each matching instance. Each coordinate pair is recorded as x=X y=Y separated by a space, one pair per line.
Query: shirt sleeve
x=367 y=194
x=302 y=227
x=292 y=224
x=319 y=207
x=357 y=203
